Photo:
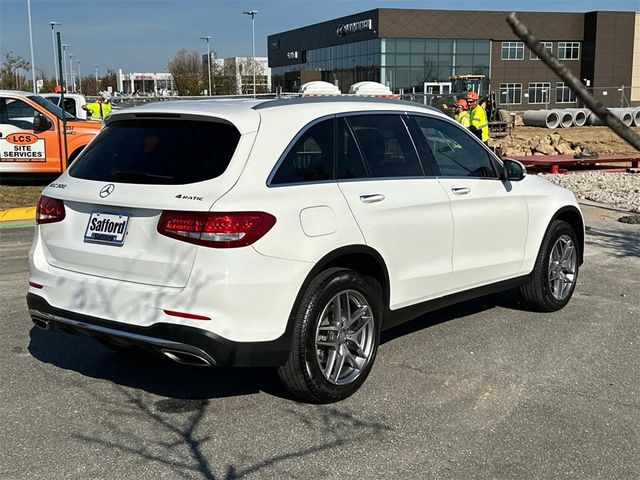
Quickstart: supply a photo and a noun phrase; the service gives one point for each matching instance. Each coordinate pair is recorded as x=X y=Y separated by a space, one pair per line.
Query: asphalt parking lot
x=481 y=390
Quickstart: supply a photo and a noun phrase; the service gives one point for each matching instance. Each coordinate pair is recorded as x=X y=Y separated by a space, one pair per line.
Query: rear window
x=169 y=152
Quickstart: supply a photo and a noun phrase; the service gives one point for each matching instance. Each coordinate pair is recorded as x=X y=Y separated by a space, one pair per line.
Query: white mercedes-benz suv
x=288 y=233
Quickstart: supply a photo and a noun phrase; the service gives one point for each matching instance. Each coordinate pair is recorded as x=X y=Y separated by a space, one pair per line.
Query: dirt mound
x=525 y=141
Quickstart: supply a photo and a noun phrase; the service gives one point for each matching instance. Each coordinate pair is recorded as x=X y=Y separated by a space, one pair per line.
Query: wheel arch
x=360 y=258
x=573 y=217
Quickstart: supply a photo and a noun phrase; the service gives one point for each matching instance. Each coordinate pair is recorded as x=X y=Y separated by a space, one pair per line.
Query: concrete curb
x=23 y=213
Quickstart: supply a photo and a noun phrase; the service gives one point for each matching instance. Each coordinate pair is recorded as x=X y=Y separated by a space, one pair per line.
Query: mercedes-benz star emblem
x=107 y=189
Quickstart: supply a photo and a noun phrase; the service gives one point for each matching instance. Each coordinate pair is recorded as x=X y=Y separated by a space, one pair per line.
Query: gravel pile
x=617 y=189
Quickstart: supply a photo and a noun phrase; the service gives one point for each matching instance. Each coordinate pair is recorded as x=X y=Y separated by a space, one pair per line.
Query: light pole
x=207 y=38
x=97 y=89
x=64 y=65
x=79 y=78
x=72 y=78
x=55 y=50
x=33 y=63
x=253 y=14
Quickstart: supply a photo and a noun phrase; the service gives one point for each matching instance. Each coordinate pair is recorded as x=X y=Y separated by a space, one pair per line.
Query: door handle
x=371 y=197
x=460 y=190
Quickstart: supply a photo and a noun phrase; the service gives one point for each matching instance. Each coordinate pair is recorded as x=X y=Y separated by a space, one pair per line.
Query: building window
x=569 y=50
x=512 y=51
x=547 y=46
x=510 y=93
x=539 y=92
x=564 y=94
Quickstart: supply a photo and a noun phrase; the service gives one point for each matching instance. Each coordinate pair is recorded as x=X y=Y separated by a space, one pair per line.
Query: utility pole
x=207 y=38
x=253 y=13
x=55 y=51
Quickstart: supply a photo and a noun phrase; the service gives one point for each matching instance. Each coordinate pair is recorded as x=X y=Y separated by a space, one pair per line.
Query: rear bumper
x=178 y=342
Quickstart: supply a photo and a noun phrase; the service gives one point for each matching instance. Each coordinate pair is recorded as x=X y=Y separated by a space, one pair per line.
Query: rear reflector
x=217 y=230
x=35 y=285
x=190 y=316
x=49 y=210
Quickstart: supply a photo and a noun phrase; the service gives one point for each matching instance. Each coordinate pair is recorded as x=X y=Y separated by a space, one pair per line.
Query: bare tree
x=187 y=71
x=108 y=80
x=10 y=76
x=89 y=85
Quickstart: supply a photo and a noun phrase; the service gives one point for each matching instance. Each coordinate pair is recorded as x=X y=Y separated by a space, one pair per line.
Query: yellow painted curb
x=23 y=213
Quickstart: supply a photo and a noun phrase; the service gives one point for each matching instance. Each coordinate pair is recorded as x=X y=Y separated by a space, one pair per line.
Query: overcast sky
x=142 y=35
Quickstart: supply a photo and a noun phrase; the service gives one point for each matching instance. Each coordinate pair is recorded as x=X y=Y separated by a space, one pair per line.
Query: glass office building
x=417 y=50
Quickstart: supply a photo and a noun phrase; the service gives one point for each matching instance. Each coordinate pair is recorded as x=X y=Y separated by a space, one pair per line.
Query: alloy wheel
x=562 y=267
x=344 y=340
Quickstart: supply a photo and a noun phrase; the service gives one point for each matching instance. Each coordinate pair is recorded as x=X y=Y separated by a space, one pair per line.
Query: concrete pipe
x=579 y=116
x=541 y=118
x=624 y=115
x=636 y=116
x=566 y=118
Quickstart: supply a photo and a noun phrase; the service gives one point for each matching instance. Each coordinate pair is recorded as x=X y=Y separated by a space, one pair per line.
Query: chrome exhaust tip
x=186 y=358
x=38 y=322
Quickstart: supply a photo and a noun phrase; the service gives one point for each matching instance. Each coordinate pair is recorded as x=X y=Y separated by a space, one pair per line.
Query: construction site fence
x=615 y=97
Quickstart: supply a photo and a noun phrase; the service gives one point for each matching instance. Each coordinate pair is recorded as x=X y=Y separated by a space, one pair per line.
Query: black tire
x=537 y=294
x=302 y=375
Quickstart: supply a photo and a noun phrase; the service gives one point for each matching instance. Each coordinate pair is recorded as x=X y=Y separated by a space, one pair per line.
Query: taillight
x=49 y=210
x=217 y=230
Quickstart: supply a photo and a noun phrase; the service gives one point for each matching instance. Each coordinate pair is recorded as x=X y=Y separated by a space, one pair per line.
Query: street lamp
x=207 y=38
x=64 y=65
x=253 y=13
x=33 y=63
x=55 y=50
x=72 y=78
x=79 y=78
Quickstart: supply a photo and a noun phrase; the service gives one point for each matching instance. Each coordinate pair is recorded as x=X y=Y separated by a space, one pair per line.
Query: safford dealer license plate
x=106 y=228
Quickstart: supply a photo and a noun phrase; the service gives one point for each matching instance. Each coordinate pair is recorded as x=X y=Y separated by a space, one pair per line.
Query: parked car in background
x=31 y=134
x=73 y=103
x=288 y=233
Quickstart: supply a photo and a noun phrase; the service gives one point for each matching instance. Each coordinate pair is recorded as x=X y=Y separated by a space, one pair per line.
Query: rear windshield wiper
x=124 y=173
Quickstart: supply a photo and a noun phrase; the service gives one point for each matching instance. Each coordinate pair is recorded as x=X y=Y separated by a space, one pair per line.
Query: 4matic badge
x=189 y=197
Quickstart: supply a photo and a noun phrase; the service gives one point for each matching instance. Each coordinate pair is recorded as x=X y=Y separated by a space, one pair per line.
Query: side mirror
x=41 y=123
x=514 y=170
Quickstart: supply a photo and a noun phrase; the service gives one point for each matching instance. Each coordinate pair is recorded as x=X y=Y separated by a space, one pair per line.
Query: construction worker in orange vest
x=462 y=115
x=478 y=116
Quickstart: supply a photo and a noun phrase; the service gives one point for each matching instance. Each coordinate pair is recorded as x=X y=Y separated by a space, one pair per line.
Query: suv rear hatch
x=117 y=189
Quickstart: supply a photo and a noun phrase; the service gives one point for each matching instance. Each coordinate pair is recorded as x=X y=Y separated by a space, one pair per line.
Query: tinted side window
x=168 y=152
x=349 y=162
x=70 y=105
x=455 y=152
x=311 y=157
x=386 y=145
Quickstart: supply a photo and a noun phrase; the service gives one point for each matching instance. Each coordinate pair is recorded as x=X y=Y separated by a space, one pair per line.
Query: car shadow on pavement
x=508 y=299
x=151 y=373
x=160 y=376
